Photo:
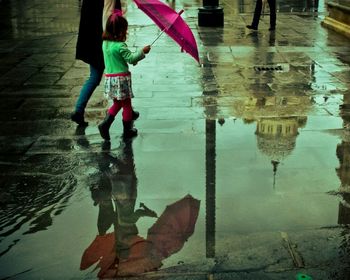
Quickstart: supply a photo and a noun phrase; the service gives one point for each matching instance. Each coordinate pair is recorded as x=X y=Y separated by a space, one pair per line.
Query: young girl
x=117 y=76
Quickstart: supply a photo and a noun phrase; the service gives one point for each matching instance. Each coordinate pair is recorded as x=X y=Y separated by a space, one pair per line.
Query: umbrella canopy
x=166 y=237
x=100 y=248
x=171 y=23
x=142 y=258
x=174 y=226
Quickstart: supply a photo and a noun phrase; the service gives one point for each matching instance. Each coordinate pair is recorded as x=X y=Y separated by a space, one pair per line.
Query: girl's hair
x=116 y=27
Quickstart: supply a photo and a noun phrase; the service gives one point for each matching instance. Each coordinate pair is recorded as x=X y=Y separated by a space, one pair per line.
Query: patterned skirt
x=118 y=86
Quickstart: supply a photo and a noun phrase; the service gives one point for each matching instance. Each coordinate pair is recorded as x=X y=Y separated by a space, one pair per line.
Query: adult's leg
x=257 y=13
x=88 y=88
x=272 y=5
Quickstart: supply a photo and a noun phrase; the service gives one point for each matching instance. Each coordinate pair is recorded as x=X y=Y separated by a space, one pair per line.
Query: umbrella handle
x=160 y=34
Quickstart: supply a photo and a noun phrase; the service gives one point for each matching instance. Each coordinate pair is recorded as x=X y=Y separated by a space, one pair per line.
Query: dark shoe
x=252 y=27
x=129 y=130
x=272 y=29
x=79 y=118
x=105 y=125
x=135 y=115
x=80 y=131
x=106 y=146
x=82 y=140
x=148 y=212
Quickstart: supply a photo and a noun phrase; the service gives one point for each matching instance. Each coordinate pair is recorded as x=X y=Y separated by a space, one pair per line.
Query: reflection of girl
x=122 y=252
x=119 y=185
x=123 y=182
x=117 y=76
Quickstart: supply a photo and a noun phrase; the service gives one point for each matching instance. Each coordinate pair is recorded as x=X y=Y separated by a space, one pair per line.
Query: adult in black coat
x=89 y=50
x=257 y=14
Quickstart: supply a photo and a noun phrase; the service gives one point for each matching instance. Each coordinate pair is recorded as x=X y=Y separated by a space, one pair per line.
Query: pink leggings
x=118 y=104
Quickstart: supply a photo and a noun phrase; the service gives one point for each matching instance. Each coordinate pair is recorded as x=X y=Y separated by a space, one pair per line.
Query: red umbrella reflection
x=174 y=226
x=166 y=237
x=101 y=247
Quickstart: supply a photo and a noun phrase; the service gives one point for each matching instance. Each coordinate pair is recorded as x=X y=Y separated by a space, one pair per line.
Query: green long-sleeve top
x=116 y=56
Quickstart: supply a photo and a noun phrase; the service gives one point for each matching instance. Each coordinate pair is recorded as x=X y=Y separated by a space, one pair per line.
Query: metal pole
x=211 y=14
x=210 y=187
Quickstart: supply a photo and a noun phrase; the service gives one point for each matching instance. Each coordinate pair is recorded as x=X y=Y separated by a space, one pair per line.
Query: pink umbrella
x=170 y=22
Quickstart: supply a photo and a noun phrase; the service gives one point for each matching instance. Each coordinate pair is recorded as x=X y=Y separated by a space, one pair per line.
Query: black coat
x=89 y=44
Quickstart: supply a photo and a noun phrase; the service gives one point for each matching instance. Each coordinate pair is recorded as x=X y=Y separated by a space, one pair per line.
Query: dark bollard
x=211 y=15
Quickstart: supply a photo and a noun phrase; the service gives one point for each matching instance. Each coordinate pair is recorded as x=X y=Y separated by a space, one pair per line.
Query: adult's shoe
x=78 y=118
x=252 y=27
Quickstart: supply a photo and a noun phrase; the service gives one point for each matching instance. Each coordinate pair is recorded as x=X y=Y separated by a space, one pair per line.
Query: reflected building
x=279 y=113
x=278 y=120
x=278 y=109
x=343 y=171
x=276 y=137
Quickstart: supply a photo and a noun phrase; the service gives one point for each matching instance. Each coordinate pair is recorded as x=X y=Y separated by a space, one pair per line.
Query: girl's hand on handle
x=146 y=49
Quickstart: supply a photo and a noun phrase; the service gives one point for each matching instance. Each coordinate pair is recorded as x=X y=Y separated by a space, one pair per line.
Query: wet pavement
x=259 y=134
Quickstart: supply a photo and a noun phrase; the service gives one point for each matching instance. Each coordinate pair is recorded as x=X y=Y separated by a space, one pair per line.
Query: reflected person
x=123 y=180
x=114 y=190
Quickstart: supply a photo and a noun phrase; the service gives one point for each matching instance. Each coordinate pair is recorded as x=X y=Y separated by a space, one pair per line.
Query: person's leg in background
x=272 y=5
x=256 y=17
x=88 y=88
x=316 y=6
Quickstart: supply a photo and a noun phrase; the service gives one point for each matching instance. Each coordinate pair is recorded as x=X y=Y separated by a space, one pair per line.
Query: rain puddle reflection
x=124 y=252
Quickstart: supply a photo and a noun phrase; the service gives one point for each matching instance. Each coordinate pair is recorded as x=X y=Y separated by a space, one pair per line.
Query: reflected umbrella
x=124 y=253
x=166 y=237
x=174 y=226
x=100 y=248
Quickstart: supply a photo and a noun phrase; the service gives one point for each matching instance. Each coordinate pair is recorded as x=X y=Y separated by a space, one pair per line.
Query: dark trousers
x=257 y=13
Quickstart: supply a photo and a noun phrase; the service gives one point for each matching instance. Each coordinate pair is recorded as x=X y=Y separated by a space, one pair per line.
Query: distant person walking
x=257 y=14
x=117 y=76
x=89 y=49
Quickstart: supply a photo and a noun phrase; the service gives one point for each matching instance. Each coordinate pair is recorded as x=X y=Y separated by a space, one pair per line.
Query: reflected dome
x=276 y=137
